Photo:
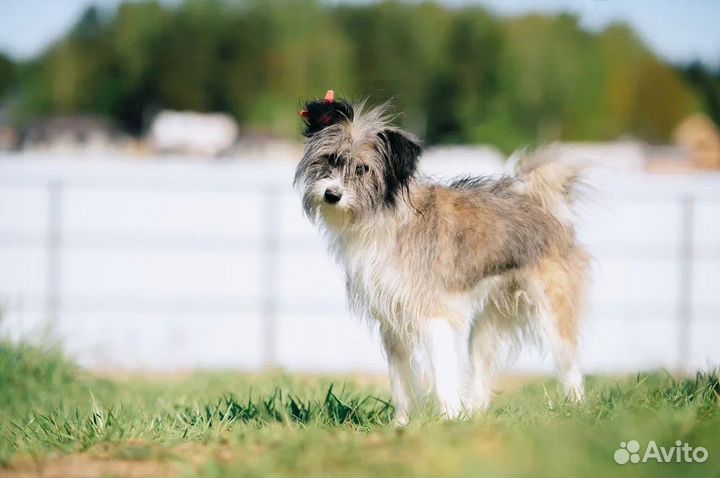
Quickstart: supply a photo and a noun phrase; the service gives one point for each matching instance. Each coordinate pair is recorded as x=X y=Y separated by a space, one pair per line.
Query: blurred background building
x=147 y=150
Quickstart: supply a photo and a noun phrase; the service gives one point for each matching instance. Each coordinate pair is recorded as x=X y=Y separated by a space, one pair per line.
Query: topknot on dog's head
x=319 y=114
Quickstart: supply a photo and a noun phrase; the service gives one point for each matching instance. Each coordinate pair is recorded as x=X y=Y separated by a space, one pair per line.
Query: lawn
x=56 y=419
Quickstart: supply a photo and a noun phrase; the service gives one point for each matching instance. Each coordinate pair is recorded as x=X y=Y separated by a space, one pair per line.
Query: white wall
x=176 y=264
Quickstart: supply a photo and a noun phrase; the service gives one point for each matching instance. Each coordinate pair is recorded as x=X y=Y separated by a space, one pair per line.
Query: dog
x=454 y=274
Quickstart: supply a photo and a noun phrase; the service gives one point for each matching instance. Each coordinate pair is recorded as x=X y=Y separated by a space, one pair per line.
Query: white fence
x=178 y=264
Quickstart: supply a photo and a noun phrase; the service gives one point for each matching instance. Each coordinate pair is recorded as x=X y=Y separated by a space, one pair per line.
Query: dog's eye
x=361 y=169
x=333 y=159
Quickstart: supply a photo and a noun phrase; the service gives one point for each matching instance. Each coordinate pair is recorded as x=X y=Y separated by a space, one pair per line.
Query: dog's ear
x=402 y=150
x=319 y=114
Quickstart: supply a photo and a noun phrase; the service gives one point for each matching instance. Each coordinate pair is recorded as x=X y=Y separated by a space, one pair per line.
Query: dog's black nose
x=332 y=196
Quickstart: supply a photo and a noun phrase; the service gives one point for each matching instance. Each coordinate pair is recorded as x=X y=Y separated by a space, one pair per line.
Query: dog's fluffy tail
x=557 y=184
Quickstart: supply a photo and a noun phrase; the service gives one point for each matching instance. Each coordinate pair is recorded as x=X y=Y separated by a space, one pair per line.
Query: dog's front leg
x=447 y=351
x=402 y=384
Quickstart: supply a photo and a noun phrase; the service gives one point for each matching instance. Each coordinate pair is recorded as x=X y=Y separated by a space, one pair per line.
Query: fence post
x=53 y=252
x=269 y=276
x=685 y=299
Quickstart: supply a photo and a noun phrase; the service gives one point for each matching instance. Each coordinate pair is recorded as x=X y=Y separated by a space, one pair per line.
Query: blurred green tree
x=457 y=74
x=463 y=94
x=644 y=97
x=7 y=74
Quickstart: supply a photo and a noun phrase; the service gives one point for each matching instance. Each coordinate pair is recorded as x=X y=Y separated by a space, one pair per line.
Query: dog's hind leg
x=563 y=342
x=559 y=314
x=485 y=342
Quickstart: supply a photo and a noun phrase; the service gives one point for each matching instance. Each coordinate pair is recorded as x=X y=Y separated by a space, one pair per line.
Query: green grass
x=58 y=419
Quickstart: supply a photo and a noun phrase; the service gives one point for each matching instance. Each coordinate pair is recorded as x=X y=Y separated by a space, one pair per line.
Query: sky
x=680 y=31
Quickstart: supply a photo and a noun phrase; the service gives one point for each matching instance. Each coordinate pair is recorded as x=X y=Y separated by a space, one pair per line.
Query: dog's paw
x=401 y=419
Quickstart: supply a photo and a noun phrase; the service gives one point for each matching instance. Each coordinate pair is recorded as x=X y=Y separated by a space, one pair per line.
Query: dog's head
x=355 y=163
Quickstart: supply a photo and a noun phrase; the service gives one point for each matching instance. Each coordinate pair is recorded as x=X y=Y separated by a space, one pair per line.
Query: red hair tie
x=329 y=98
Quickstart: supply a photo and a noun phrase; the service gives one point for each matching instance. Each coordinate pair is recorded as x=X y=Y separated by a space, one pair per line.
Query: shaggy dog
x=452 y=273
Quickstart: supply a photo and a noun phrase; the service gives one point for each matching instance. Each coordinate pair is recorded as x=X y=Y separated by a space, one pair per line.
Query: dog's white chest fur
x=376 y=285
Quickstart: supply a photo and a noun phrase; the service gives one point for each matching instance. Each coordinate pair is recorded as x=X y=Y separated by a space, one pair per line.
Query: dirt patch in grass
x=133 y=459
x=87 y=464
